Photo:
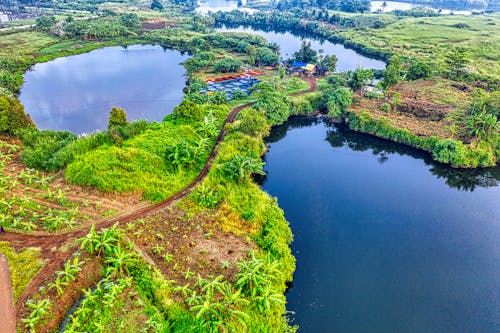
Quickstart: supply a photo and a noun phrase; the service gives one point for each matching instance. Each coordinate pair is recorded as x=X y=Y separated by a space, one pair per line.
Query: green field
x=431 y=38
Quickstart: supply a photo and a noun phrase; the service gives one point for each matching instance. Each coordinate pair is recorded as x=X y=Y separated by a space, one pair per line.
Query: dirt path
x=7 y=311
x=50 y=242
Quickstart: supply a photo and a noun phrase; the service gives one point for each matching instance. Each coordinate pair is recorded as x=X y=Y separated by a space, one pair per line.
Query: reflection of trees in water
x=461 y=179
x=340 y=136
x=279 y=132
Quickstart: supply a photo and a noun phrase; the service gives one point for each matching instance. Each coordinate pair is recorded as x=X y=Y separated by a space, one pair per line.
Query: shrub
x=418 y=70
x=41 y=148
x=253 y=122
x=385 y=107
x=12 y=116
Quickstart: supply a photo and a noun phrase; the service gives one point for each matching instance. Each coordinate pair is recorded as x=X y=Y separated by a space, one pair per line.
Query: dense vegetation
x=151 y=269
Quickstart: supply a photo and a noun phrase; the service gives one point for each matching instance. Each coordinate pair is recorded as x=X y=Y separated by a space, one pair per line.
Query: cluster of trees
x=308 y=55
x=300 y=21
x=263 y=56
x=226 y=65
x=351 y=6
x=199 y=61
x=102 y=27
x=411 y=70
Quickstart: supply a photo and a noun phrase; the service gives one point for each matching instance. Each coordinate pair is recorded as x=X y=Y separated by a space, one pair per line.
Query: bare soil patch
x=419 y=106
x=7 y=311
x=183 y=247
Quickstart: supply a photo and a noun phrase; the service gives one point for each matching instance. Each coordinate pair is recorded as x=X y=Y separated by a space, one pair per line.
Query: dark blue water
x=385 y=239
x=77 y=93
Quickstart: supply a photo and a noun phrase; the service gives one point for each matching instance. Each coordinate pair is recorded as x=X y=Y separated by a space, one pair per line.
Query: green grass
x=139 y=165
x=432 y=37
x=23 y=266
x=24 y=43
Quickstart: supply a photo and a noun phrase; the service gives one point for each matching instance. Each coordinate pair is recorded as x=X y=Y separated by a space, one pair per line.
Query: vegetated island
x=161 y=224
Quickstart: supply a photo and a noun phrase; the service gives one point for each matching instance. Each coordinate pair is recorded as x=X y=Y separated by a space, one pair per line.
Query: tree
x=189 y=110
x=180 y=154
x=130 y=20
x=358 y=78
x=282 y=71
x=253 y=122
x=227 y=64
x=45 y=23
x=120 y=260
x=264 y=56
x=117 y=117
x=338 y=100
x=329 y=62
x=384 y=6
x=456 y=60
x=393 y=72
x=418 y=70
x=306 y=53
x=156 y=4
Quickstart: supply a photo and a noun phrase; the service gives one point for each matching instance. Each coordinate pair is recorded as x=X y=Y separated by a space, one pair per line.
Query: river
x=289 y=43
x=76 y=93
x=385 y=239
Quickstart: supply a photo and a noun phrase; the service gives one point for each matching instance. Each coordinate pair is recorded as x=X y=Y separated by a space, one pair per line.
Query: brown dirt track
x=51 y=244
x=7 y=311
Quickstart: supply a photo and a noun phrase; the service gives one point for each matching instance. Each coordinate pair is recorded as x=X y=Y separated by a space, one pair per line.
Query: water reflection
x=386 y=240
x=76 y=93
x=290 y=42
x=338 y=136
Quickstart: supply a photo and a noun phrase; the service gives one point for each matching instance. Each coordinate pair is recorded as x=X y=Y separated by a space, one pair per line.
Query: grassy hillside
x=431 y=38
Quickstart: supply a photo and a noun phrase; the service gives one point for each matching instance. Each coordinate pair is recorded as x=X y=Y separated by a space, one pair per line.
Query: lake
x=290 y=43
x=76 y=93
x=385 y=239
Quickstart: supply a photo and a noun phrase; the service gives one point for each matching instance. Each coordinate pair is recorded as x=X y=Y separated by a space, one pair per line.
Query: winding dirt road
x=7 y=311
x=48 y=242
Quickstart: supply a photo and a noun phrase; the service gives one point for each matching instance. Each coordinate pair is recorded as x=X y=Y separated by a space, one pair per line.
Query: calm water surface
x=460 y=8
x=385 y=239
x=76 y=93
x=206 y=6
x=290 y=43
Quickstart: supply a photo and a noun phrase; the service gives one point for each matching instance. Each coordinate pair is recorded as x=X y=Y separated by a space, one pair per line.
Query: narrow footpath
x=7 y=311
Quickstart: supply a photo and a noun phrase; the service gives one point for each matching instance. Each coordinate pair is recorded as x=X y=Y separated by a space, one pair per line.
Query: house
x=309 y=69
x=301 y=68
x=322 y=71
